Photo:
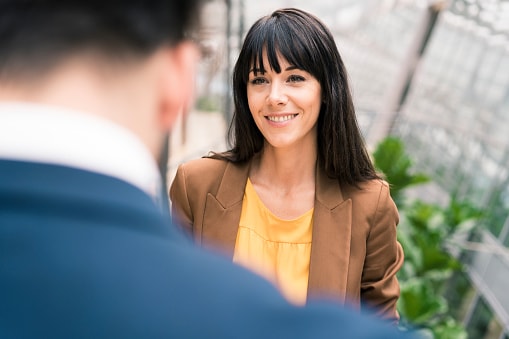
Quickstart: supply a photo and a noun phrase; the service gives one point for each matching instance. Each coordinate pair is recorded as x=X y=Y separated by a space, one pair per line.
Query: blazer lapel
x=222 y=211
x=330 y=248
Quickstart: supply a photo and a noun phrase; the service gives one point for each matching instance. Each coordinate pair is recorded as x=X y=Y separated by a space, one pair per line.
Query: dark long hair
x=305 y=42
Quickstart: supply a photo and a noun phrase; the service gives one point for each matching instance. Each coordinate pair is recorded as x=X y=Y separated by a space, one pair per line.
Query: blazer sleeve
x=384 y=257
x=181 y=211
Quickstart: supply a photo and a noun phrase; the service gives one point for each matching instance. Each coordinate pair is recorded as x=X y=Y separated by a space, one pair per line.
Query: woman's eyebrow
x=259 y=70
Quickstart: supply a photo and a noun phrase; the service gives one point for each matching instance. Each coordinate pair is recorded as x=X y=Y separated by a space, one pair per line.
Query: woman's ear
x=178 y=77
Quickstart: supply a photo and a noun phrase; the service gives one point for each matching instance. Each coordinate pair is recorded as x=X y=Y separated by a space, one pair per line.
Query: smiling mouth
x=281 y=118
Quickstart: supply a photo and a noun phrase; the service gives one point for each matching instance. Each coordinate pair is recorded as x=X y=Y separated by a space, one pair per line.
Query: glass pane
x=483 y=324
x=459 y=293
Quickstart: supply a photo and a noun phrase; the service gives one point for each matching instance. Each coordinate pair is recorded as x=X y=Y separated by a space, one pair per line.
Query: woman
x=296 y=198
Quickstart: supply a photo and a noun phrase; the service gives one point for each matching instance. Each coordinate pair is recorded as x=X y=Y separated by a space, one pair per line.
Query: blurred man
x=88 y=91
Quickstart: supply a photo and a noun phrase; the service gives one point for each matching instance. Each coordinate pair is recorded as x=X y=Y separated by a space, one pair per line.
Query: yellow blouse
x=277 y=249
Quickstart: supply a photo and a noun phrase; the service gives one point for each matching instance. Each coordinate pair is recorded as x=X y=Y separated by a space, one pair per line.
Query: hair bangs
x=279 y=39
x=290 y=44
x=263 y=41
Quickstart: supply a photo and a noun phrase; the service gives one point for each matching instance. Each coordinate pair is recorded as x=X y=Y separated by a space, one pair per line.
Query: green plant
x=423 y=233
x=390 y=158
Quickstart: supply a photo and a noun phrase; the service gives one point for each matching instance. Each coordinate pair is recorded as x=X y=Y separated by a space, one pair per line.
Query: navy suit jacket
x=83 y=255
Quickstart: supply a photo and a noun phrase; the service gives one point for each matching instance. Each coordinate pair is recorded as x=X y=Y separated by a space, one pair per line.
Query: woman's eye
x=258 y=81
x=295 y=78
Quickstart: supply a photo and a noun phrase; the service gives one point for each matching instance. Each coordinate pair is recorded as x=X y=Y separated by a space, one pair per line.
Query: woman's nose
x=277 y=95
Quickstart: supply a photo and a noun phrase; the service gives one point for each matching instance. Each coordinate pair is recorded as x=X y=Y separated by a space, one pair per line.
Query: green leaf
x=418 y=302
x=390 y=158
x=450 y=329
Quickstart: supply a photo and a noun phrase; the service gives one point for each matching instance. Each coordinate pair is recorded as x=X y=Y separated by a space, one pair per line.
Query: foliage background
x=425 y=231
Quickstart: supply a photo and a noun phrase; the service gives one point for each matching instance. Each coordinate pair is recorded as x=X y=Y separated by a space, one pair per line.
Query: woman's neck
x=285 y=180
x=290 y=168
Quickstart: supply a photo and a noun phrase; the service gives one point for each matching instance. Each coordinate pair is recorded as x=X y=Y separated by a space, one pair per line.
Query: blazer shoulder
x=365 y=189
x=209 y=174
x=202 y=173
x=203 y=166
x=370 y=196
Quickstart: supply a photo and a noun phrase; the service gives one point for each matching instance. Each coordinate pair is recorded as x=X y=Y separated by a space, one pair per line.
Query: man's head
x=130 y=56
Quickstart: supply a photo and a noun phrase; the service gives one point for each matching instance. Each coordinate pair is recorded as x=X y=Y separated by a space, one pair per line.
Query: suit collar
x=330 y=249
x=62 y=136
x=328 y=192
x=233 y=184
x=222 y=210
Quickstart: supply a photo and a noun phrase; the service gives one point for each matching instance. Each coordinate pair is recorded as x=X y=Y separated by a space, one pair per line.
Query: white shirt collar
x=48 y=134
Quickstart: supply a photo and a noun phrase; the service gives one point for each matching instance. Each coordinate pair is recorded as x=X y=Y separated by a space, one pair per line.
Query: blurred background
x=430 y=83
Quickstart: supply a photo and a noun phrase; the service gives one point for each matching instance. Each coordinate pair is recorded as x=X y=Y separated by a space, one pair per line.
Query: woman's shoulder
x=204 y=165
x=370 y=197
x=210 y=170
x=372 y=186
x=194 y=177
x=368 y=185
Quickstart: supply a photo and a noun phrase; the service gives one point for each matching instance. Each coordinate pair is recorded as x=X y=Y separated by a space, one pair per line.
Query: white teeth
x=281 y=118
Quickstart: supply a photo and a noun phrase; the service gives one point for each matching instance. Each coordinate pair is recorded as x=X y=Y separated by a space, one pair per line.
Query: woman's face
x=286 y=105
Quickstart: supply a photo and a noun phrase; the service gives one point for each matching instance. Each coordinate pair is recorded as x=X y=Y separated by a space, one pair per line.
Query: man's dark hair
x=36 y=34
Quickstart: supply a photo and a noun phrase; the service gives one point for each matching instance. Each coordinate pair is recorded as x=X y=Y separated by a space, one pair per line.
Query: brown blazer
x=354 y=253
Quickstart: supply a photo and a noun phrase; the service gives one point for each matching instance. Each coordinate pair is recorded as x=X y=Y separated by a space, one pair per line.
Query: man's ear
x=177 y=81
